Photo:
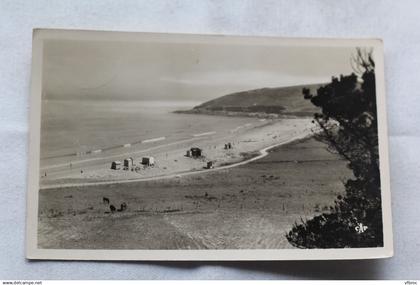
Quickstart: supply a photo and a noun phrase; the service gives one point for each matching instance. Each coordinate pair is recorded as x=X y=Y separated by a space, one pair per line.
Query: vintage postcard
x=151 y=146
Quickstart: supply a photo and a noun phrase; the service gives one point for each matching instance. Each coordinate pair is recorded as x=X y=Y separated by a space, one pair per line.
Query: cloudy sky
x=180 y=71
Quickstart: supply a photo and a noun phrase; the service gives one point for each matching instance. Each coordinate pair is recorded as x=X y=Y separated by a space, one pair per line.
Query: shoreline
x=249 y=141
x=247 y=114
x=262 y=153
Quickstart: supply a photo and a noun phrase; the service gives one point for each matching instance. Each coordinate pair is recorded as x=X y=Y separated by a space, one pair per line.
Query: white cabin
x=148 y=160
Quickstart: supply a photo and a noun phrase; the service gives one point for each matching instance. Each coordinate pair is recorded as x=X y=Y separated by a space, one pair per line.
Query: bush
x=348 y=123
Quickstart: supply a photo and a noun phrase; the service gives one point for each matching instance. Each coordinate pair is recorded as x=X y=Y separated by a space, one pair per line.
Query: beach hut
x=116 y=165
x=196 y=152
x=148 y=161
x=128 y=162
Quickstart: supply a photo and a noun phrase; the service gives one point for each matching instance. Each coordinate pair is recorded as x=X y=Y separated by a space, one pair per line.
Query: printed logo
x=360 y=228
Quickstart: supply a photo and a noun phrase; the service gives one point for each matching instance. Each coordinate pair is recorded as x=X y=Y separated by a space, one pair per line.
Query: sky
x=153 y=71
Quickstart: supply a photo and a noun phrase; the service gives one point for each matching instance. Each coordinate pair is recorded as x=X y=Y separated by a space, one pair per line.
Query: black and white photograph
x=171 y=146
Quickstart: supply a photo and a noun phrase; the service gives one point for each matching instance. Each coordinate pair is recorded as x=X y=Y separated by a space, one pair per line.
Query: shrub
x=348 y=124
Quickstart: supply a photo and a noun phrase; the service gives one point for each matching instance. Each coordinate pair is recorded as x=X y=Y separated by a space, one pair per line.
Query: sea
x=80 y=127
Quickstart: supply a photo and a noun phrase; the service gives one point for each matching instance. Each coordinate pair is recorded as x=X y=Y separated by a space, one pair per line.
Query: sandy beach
x=247 y=141
x=249 y=206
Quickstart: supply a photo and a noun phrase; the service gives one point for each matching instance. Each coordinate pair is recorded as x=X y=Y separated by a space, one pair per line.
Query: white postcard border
x=32 y=250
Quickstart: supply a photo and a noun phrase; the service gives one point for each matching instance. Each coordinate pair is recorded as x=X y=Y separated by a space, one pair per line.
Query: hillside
x=265 y=102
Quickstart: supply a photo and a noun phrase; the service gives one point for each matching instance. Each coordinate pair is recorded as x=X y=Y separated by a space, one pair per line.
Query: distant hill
x=265 y=102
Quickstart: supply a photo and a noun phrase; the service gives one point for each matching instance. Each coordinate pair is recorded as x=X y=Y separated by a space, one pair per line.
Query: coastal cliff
x=264 y=102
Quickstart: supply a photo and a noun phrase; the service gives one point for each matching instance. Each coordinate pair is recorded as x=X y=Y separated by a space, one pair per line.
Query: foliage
x=348 y=125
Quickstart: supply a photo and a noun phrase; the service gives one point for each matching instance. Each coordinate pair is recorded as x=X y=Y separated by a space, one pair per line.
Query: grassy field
x=249 y=207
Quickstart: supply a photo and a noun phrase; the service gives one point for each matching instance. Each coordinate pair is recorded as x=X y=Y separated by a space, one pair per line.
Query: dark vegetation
x=349 y=126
